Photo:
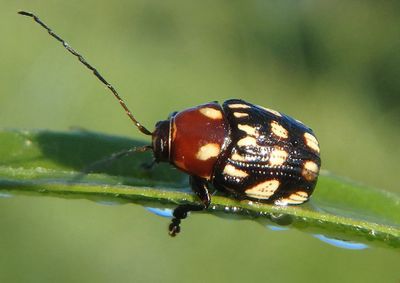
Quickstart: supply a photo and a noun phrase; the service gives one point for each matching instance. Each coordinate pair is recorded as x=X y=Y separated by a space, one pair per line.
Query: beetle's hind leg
x=200 y=188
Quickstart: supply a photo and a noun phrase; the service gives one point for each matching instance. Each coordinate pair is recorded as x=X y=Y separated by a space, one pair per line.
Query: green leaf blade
x=50 y=163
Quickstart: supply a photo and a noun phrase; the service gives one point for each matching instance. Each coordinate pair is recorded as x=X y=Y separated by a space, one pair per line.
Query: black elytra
x=272 y=156
x=245 y=150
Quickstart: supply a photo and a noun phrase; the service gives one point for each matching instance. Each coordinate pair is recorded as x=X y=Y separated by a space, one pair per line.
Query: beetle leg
x=200 y=188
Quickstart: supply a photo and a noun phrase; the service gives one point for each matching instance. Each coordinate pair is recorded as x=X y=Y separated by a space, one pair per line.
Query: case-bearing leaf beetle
x=244 y=150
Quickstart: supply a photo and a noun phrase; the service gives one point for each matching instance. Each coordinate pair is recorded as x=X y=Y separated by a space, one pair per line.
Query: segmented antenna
x=90 y=67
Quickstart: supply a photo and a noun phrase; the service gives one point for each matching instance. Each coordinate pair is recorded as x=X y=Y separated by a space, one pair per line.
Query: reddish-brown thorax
x=197 y=136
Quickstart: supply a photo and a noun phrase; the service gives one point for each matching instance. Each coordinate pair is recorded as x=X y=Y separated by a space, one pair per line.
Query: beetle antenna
x=100 y=164
x=90 y=67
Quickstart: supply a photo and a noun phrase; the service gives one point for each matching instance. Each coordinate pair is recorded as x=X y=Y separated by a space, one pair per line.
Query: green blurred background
x=334 y=65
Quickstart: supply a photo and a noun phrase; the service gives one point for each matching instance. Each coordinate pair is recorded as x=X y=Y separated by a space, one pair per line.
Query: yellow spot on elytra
x=311 y=142
x=299 y=196
x=234 y=172
x=208 y=151
x=247 y=141
x=302 y=193
x=237 y=157
x=263 y=190
x=286 y=201
x=310 y=170
x=278 y=130
x=278 y=157
x=211 y=113
x=295 y=198
x=238 y=105
x=251 y=131
x=271 y=111
x=240 y=115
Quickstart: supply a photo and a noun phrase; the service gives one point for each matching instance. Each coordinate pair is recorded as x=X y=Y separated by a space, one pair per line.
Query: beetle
x=244 y=150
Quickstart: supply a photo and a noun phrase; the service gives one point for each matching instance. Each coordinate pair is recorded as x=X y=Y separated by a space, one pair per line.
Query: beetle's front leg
x=200 y=188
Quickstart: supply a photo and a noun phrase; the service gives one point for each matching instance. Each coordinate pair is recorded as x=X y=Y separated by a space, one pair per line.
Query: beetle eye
x=172 y=114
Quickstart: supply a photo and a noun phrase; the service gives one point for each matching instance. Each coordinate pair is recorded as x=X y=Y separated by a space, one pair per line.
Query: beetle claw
x=174 y=227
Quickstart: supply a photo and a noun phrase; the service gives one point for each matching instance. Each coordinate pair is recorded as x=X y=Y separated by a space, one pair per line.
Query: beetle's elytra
x=244 y=150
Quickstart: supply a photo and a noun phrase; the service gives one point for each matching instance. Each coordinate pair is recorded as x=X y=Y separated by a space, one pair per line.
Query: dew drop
x=163 y=212
x=344 y=244
x=277 y=228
